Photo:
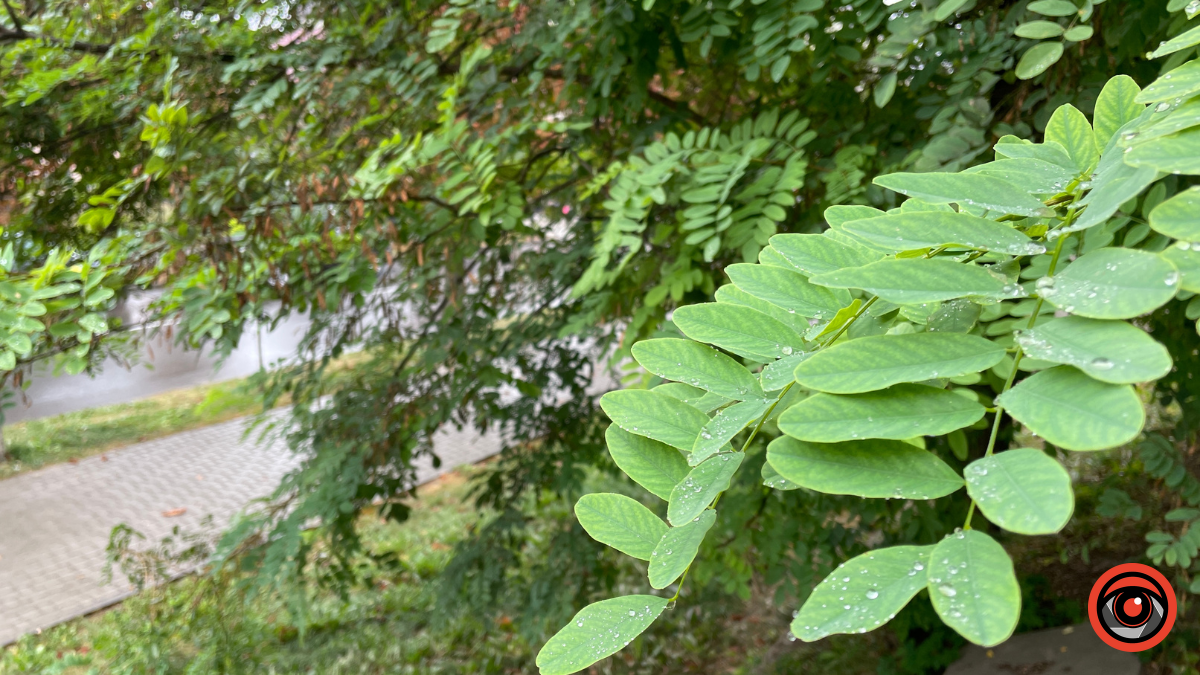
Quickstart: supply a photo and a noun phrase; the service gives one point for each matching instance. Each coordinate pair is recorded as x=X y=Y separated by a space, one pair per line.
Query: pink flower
x=566 y=210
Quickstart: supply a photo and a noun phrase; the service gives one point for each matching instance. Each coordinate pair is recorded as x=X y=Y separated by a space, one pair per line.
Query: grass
x=95 y=431
x=85 y=433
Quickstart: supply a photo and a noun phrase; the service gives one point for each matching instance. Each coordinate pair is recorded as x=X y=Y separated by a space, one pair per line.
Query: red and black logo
x=1132 y=607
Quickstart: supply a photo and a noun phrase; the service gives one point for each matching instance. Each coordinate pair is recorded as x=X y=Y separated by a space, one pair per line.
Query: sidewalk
x=55 y=523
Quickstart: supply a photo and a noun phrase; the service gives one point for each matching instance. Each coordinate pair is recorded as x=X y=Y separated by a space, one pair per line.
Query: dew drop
x=947 y=590
x=1101 y=363
x=872 y=594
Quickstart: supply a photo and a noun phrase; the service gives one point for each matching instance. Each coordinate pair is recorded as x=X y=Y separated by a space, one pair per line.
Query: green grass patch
x=75 y=435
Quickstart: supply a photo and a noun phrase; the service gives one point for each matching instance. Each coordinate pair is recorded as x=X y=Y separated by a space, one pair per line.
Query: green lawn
x=84 y=433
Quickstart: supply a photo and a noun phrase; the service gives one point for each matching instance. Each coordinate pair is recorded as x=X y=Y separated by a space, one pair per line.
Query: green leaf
x=843 y=213
x=620 y=522
x=778 y=374
x=1079 y=34
x=1185 y=257
x=75 y=365
x=1022 y=491
x=1178 y=119
x=773 y=480
x=879 y=361
x=654 y=415
x=678 y=549
x=1070 y=128
x=95 y=323
x=788 y=290
x=598 y=631
x=698 y=365
x=870 y=468
x=1116 y=106
x=1048 y=152
x=19 y=343
x=973 y=587
x=732 y=295
x=1073 y=411
x=863 y=593
x=1035 y=176
x=886 y=86
x=741 y=330
x=956 y=316
x=1109 y=351
x=724 y=426
x=915 y=281
x=8 y=360
x=1040 y=57
x=55 y=291
x=1112 y=283
x=98 y=296
x=701 y=487
x=655 y=466
x=1176 y=153
x=779 y=68
x=1116 y=185
x=1053 y=7
x=947 y=9
x=1038 y=30
x=965 y=189
x=818 y=253
x=1179 y=216
x=958 y=445
x=899 y=412
x=1188 y=39
x=908 y=231
x=1181 y=515
x=704 y=401
x=1181 y=82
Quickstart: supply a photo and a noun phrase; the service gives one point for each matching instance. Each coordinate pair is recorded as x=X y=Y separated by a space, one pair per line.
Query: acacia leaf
x=973 y=587
x=899 y=412
x=870 y=468
x=1073 y=411
x=863 y=593
x=598 y=631
x=1022 y=491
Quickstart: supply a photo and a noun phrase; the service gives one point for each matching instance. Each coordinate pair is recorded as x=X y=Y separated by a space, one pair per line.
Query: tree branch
x=12 y=13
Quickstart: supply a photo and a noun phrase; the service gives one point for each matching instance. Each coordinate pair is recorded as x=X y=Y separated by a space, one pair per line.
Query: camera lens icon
x=1132 y=607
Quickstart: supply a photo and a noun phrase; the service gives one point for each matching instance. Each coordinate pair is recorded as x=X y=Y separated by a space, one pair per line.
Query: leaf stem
x=1012 y=375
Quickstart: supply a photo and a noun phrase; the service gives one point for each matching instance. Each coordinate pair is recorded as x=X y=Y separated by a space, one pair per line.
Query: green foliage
x=489 y=198
x=992 y=251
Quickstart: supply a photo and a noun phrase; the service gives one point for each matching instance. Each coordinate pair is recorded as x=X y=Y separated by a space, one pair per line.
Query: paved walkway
x=55 y=523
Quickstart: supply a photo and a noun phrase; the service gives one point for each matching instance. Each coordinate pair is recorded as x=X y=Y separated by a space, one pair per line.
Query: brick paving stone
x=55 y=522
